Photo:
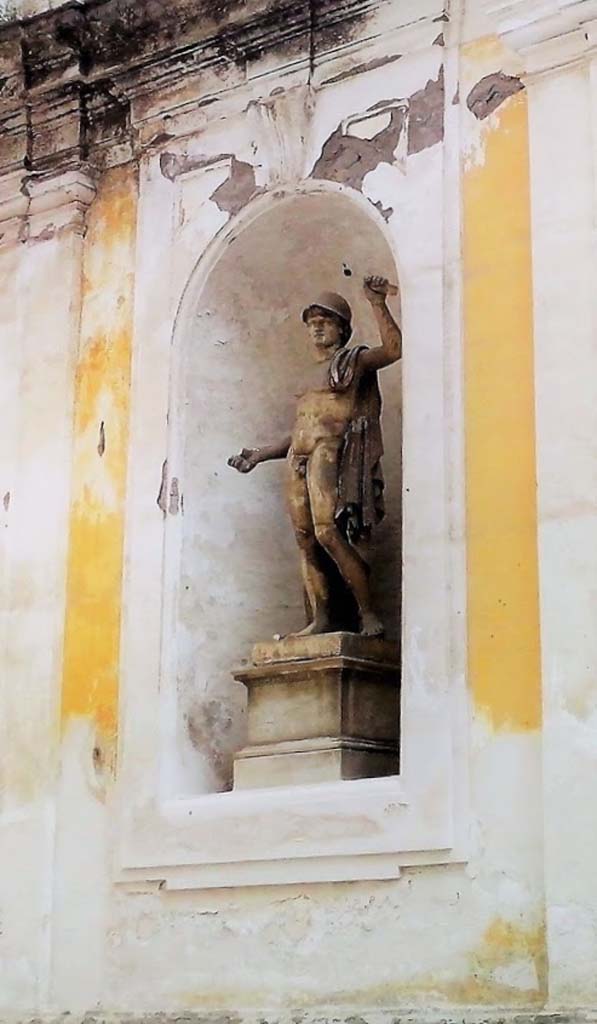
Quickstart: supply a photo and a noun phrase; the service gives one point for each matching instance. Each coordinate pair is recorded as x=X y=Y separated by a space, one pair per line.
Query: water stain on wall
x=94 y=581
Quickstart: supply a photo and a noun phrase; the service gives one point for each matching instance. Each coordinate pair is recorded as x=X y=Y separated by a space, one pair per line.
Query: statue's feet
x=319 y=625
x=371 y=625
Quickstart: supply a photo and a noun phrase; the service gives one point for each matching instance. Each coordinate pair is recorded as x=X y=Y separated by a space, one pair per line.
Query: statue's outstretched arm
x=248 y=458
x=376 y=290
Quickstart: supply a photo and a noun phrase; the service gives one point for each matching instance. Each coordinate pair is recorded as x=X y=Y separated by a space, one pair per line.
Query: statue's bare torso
x=322 y=415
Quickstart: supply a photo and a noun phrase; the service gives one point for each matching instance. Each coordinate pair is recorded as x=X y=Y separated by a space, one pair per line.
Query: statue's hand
x=245 y=461
x=377 y=289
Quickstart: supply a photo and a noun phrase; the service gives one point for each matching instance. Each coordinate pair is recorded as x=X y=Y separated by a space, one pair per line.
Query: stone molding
x=37 y=207
x=328 y=1015
x=285 y=150
x=547 y=36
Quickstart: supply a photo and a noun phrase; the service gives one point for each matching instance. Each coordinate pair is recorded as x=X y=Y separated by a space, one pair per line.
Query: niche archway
x=243 y=356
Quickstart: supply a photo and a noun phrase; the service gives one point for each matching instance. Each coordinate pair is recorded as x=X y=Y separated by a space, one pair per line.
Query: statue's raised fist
x=377 y=288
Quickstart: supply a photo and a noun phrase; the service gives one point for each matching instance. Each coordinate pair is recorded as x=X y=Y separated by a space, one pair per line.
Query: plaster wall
x=564 y=260
x=39 y=346
x=137 y=323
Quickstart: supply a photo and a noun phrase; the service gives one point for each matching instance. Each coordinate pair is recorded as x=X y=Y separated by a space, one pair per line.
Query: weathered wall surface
x=158 y=171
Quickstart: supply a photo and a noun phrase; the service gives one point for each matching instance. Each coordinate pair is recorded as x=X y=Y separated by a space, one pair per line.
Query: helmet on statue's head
x=331 y=302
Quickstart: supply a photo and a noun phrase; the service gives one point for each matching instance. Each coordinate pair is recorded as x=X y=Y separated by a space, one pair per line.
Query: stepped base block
x=254 y=769
x=320 y=709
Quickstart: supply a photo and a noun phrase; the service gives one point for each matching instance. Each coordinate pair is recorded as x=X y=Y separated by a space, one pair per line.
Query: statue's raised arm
x=376 y=290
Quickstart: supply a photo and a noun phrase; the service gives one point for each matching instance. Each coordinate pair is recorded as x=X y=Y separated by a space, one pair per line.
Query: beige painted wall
x=129 y=884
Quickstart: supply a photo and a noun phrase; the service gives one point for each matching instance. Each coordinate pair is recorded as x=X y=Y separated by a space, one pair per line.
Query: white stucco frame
x=351 y=830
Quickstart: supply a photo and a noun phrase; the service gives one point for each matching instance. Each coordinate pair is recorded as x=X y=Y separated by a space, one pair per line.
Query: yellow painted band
x=503 y=593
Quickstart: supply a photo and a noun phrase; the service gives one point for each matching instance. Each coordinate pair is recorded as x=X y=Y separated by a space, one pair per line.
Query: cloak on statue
x=360 y=502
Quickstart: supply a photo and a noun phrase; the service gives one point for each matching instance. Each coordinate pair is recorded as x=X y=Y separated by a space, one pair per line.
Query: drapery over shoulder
x=360 y=479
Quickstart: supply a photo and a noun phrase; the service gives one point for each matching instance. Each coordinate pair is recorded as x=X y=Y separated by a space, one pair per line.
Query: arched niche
x=243 y=357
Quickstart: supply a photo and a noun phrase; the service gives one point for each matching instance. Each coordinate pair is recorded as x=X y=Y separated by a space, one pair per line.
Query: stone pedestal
x=320 y=709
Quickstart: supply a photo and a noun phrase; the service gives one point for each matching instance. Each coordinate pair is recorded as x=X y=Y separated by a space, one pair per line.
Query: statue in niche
x=335 y=482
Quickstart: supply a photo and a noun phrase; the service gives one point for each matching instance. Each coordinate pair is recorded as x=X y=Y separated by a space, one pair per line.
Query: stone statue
x=335 y=484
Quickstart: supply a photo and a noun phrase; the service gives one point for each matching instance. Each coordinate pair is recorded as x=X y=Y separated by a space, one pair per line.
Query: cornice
x=76 y=82
x=88 y=41
x=547 y=34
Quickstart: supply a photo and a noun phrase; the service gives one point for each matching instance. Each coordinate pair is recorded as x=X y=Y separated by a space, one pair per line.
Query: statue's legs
x=314 y=578
x=322 y=486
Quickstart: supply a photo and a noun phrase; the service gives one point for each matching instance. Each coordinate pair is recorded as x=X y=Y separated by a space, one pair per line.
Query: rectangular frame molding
x=364 y=829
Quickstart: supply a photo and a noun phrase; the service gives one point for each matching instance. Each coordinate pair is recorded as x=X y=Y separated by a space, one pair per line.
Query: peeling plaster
x=46 y=234
x=161 y=498
x=426 y=120
x=490 y=92
x=347 y=159
x=386 y=211
x=235 y=192
x=359 y=69
x=174 y=503
x=174 y=164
